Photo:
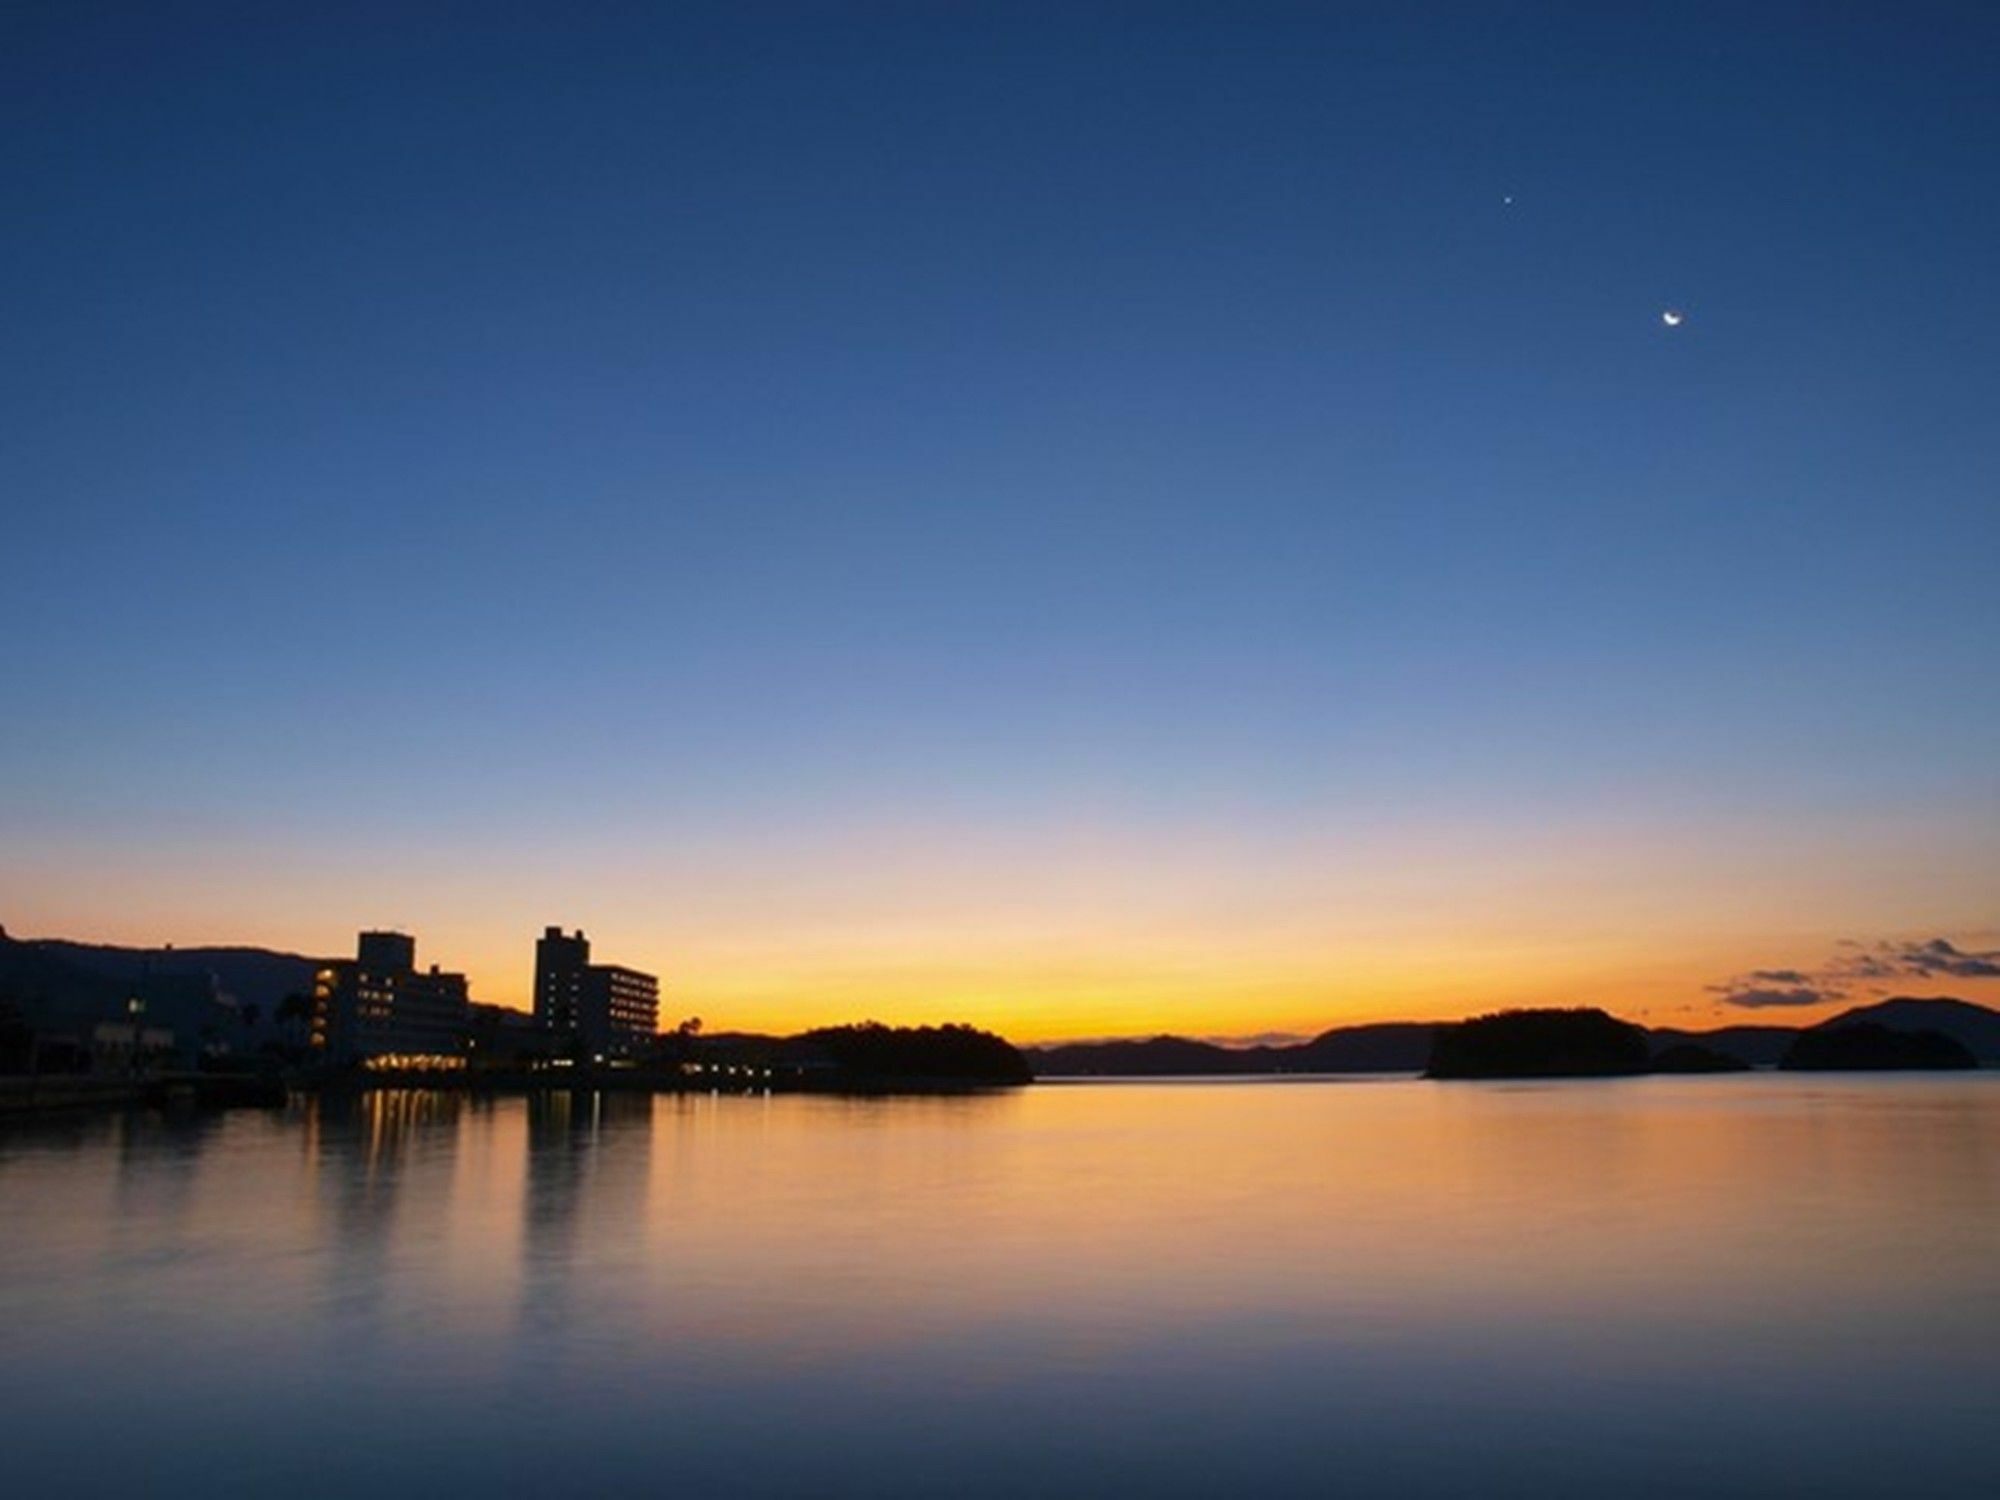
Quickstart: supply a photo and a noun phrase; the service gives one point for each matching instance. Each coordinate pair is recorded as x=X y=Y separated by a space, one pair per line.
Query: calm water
x=1703 y=1286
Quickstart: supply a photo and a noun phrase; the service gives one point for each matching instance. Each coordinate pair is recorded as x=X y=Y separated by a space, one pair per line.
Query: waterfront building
x=604 y=1010
x=505 y=1038
x=378 y=1009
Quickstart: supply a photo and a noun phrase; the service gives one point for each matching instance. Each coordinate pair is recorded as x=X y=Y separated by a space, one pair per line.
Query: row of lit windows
x=413 y=1060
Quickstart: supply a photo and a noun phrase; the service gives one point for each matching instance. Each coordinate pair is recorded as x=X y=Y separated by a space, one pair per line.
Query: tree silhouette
x=294 y=1015
x=956 y=1053
x=1583 y=1043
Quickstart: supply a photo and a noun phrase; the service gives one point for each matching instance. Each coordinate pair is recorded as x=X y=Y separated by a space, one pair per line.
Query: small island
x=1863 y=1046
x=872 y=1056
x=1580 y=1043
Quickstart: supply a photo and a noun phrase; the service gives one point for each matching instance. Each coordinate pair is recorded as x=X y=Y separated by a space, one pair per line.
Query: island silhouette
x=1580 y=1043
x=1870 y=1045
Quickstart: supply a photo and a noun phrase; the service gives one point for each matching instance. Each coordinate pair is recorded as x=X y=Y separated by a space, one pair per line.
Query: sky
x=1083 y=519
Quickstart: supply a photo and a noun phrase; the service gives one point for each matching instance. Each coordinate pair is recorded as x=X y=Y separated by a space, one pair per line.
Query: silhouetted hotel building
x=379 y=1010
x=610 y=1011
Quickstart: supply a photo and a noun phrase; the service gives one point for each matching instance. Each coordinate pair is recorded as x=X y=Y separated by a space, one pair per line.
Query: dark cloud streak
x=1755 y=997
x=1940 y=957
x=1856 y=962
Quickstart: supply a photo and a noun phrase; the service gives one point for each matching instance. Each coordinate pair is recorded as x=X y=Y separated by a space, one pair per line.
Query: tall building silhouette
x=379 y=1009
x=609 y=1010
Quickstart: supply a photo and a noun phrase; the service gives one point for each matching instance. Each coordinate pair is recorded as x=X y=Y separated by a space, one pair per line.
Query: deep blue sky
x=560 y=432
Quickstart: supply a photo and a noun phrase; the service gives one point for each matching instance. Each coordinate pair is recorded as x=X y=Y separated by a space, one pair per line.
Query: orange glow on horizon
x=1069 y=932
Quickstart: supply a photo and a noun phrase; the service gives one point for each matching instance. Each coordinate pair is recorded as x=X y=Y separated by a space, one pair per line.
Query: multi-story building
x=606 y=1010
x=560 y=961
x=380 y=1010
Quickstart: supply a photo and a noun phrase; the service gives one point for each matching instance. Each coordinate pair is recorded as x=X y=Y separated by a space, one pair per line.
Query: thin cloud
x=1940 y=957
x=1763 y=997
x=1862 y=965
x=1258 y=1039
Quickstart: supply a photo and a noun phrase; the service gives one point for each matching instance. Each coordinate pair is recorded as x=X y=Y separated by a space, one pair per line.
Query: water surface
x=1733 y=1285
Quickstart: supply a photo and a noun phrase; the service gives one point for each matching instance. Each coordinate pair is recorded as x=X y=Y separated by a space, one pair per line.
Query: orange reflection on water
x=1134 y=1277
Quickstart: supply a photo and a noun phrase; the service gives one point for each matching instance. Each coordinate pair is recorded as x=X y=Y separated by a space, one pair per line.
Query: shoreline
x=34 y=1096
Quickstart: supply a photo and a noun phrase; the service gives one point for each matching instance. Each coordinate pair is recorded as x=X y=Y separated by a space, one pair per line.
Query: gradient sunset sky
x=1082 y=519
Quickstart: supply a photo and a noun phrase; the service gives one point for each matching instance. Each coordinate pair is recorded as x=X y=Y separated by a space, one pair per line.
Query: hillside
x=52 y=991
x=49 y=1000
x=1151 y=1057
x=251 y=976
x=1387 y=1047
x=1973 y=1027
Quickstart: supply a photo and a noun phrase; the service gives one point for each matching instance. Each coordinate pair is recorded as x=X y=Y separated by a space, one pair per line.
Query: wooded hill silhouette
x=1581 y=1043
x=1869 y=1046
x=871 y=1051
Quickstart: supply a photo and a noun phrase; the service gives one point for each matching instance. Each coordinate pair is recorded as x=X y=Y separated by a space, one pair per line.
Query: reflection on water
x=1712 y=1285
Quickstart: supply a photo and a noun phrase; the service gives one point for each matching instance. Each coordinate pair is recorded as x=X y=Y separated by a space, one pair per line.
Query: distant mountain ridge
x=249 y=975
x=54 y=992
x=1405 y=1046
x=1385 y=1047
x=1382 y=1047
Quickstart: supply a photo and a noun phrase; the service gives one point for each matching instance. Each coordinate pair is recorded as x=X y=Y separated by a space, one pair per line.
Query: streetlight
x=136 y=1009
